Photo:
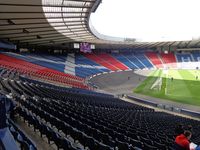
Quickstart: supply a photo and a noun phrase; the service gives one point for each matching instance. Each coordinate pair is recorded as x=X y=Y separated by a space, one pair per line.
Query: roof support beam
x=153 y=44
x=35 y=18
x=40 y=23
x=49 y=12
x=197 y=43
x=40 y=27
x=39 y=32
x=48 y=36
x=54 y=37
x=48 y=5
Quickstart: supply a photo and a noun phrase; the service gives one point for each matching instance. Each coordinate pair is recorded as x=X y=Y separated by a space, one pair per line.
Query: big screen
x=85 y=48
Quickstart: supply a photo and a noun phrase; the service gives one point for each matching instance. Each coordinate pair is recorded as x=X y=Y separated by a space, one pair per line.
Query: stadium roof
x=35 y=23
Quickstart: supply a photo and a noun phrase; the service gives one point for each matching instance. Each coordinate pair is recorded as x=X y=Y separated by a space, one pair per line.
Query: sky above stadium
x=148 y=20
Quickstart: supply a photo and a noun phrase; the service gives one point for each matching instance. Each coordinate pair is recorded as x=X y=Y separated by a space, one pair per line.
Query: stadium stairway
x=154 y=58
x=169 y=60
x=70 y=64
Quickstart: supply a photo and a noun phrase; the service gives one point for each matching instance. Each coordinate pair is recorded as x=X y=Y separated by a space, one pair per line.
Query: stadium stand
x=154 y=58
x=196 y=56
x=113 y=61
x=71 y=64
x=32 y=70
x=185 y=61
x=47 y=61
x=79 y=65
x=101 y=61
x=52 y=53
x=134 y=60
x=10 y=134
x=24 y=141
x=59 y=63
x=184 y=57
x=94 y=121
x=88 y=66
x=169 y=60
x=142 y=58
x=124 y=60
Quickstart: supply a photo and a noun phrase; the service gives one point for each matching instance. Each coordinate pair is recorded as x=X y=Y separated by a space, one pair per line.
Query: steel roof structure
x=43 y=23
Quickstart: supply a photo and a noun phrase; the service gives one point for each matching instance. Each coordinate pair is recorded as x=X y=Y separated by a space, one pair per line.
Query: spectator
x=189 y=128
x=178 y=130
x=182 y=140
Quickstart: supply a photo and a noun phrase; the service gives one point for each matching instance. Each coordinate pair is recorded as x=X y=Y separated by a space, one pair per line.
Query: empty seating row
x=39 y=72
x=20 y=137
x=85 y=65
x=9 y=131
x=101 y=61
x=155 y=59
x=71 y=64
x=97 y=121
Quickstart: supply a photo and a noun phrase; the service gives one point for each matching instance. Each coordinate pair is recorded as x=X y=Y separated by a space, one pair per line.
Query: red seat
x=40 y=72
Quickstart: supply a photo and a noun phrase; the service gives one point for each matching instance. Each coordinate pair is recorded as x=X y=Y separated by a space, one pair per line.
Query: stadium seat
x=177 y=147
x=93 y=121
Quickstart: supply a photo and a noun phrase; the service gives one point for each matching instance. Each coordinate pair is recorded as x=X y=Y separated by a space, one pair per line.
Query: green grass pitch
x=177 y=85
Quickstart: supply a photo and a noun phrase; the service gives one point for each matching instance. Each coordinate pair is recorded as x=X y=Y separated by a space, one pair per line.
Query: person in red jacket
x=183 y=140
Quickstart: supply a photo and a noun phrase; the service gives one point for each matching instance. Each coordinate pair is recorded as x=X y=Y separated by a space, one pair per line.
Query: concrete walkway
x=118 y=83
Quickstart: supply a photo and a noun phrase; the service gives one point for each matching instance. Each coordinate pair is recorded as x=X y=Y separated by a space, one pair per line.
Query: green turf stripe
x=184 y=88
x=192 y=83
x=177 y=87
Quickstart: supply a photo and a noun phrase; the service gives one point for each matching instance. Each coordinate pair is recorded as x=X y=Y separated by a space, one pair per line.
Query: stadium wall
x=165 y=107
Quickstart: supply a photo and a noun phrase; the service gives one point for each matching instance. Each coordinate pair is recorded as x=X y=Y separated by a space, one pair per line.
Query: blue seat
x=2 y=147
x=178 y=147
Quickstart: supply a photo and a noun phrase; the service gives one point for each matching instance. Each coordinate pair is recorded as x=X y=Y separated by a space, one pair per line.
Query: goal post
x=157 y=84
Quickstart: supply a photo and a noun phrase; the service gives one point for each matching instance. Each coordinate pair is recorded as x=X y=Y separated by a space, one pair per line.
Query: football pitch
x=181 y=86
